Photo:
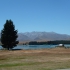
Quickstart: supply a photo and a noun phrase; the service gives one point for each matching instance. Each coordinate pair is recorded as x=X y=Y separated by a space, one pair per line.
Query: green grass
x=18 y=64
x=49 y=65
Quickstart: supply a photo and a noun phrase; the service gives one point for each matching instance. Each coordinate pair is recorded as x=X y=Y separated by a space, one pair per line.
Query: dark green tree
x=9 y=35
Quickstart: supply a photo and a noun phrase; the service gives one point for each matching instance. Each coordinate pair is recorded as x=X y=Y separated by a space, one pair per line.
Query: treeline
x=48 y=42
x=59 y=42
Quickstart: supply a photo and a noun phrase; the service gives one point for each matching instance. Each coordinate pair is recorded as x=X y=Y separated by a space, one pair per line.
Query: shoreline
x=48 y=50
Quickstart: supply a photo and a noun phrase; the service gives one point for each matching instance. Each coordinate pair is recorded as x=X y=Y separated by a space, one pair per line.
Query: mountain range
x=42 y=36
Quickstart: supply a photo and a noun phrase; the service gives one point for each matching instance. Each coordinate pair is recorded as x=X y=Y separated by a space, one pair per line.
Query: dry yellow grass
x=43 y=59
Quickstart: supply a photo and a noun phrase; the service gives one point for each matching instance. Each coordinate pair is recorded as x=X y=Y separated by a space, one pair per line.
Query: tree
x=9 y=35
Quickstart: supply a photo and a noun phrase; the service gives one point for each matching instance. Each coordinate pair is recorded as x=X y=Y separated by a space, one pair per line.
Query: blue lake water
x=35 y=46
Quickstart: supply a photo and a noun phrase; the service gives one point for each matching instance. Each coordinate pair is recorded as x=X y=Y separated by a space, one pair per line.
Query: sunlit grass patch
x=19 y=64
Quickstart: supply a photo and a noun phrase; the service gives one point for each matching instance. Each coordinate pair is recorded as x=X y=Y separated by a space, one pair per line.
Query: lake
x=35 y=46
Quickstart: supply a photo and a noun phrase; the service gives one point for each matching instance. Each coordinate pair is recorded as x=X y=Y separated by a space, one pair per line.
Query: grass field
x=44 y=59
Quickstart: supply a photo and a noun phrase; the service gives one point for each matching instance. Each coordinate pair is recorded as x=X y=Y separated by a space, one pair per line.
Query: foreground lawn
x=46 y=59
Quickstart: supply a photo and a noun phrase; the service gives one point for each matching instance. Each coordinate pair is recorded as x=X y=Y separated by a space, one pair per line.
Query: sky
x=37 y=15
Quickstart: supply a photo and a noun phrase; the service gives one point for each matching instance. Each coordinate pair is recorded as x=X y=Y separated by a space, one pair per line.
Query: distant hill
x=22 y=37
x=42 y=36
